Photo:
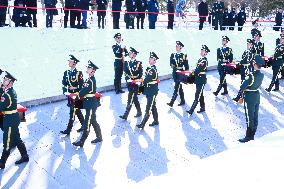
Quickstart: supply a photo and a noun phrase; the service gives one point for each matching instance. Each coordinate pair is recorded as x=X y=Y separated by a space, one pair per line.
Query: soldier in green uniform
x=249 y=92
x=277 y=65
x=178 y=62
x=90 y=104
x=120 y=52
x=133 y=71
x=200 y=80
x=151 y=91
x=11 y=122
x=258 y=47
x=72 y=82
x=246 y=62
x=224 y=56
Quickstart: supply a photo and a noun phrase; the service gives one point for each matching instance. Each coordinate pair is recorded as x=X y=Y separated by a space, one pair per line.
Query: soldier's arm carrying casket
x=248 y=82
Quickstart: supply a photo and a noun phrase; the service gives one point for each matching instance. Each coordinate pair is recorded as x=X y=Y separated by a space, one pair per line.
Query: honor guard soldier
x=277 y=43
x=246 y=62
x=258 y=47
x=133 y=72
x=224 y=56
x=200 y=80
x=120 y=52
x=218 y=10
x=11 y=122
x=151 y=91
x=90 y=104
x=72 y=82
x=178 y=62
x=277 y=65
x=249 y=93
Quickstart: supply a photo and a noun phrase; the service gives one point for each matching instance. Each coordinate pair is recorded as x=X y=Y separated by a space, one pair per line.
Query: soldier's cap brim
x=92 y=65
x=179 y=44
x=225 y=38
x=259 y=60
x=153 y=55
x=131 y=49
x=72 y=57
x=117 y=35
x=10 y=76
x=205 y=48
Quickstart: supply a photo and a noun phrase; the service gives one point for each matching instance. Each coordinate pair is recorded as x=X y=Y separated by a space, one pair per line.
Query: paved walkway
x=199 y=151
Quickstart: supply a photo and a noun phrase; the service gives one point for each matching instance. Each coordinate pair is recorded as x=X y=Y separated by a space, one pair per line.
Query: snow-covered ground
x=38 y=57
x=182 y=152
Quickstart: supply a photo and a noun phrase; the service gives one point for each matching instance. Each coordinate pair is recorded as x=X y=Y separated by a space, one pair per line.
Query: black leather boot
x=69 y=128
x=218 y=90
x=143 y=122
x=247 y=137
x=24 y=155
x=155 y=116
x=126 y=113
x=139 y=113
x=98 y=132
x=225 y=89
x=194 y=104
x=82 y=140
x=270 y=87
x=4 y=157
x=182 y=101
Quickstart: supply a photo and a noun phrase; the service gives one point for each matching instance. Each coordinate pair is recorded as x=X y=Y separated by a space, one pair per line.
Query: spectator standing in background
x=203 y=13
x=171 y=14
x=69 y=4
x=232 y=19
x=278 y=20
x=153 y=10
x=241 y=19
x=129 y=17
x=32 y=12
x=141 y=7
x=218 y=10
x=116 y=7
x=3 y=11
x=225 y=19
x=102 y=6
x=49 y=4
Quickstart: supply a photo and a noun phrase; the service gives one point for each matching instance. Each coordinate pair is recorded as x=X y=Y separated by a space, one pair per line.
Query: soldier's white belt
x=9 y=112
x=279 y=57
x=251 y=90
x=179 y=67
x=202 y=73
x=89 y=95
x=118 y=58
x=245 y=64
x=152 y=82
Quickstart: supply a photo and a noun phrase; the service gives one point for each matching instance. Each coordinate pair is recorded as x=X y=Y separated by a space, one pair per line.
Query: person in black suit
x=32 y=12
x=141 y=7
x=203 y=13
x=102 y=6
x=116 y=7
x=241 y=19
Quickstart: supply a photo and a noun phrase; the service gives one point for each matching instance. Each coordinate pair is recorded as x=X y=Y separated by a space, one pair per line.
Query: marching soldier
x=224 y=56
x=72 y=82
x=245 y=63
x=120 y=52
x=90 y=104
x=258 y=47
x=200 y=80
x=277 y=43
x=178 y=62
x=11 y=122
x=133 y=71
x=250 y=94
x=277 y=65
x=218 y=10
x=151 y=91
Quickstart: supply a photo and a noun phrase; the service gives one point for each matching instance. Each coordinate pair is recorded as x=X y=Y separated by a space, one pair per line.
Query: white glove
x=74 y=97
x=66 y=93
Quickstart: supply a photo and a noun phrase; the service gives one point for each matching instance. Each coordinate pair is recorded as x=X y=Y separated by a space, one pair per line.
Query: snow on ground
x=182 y=152
x=38 y=57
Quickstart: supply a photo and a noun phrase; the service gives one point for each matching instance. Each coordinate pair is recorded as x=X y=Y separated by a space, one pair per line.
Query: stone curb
x=103 y=89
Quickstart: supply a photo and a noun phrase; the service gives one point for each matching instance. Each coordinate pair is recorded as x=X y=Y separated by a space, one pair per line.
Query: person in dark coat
x=32 y=12
x=225 y=19
x=232 y=19
x=84 y=6
x=277 y=43
x=129 y=17
x=141 y=7
x=278 y=20
x=20 y=15
x=218 y=11
x=116 y=7
x=241 y=19
x=69 y=4
x=171 y=14
x=203 y=13
x=3 y=11
x=102 y=6
x=153 y=8
x=50 y=12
